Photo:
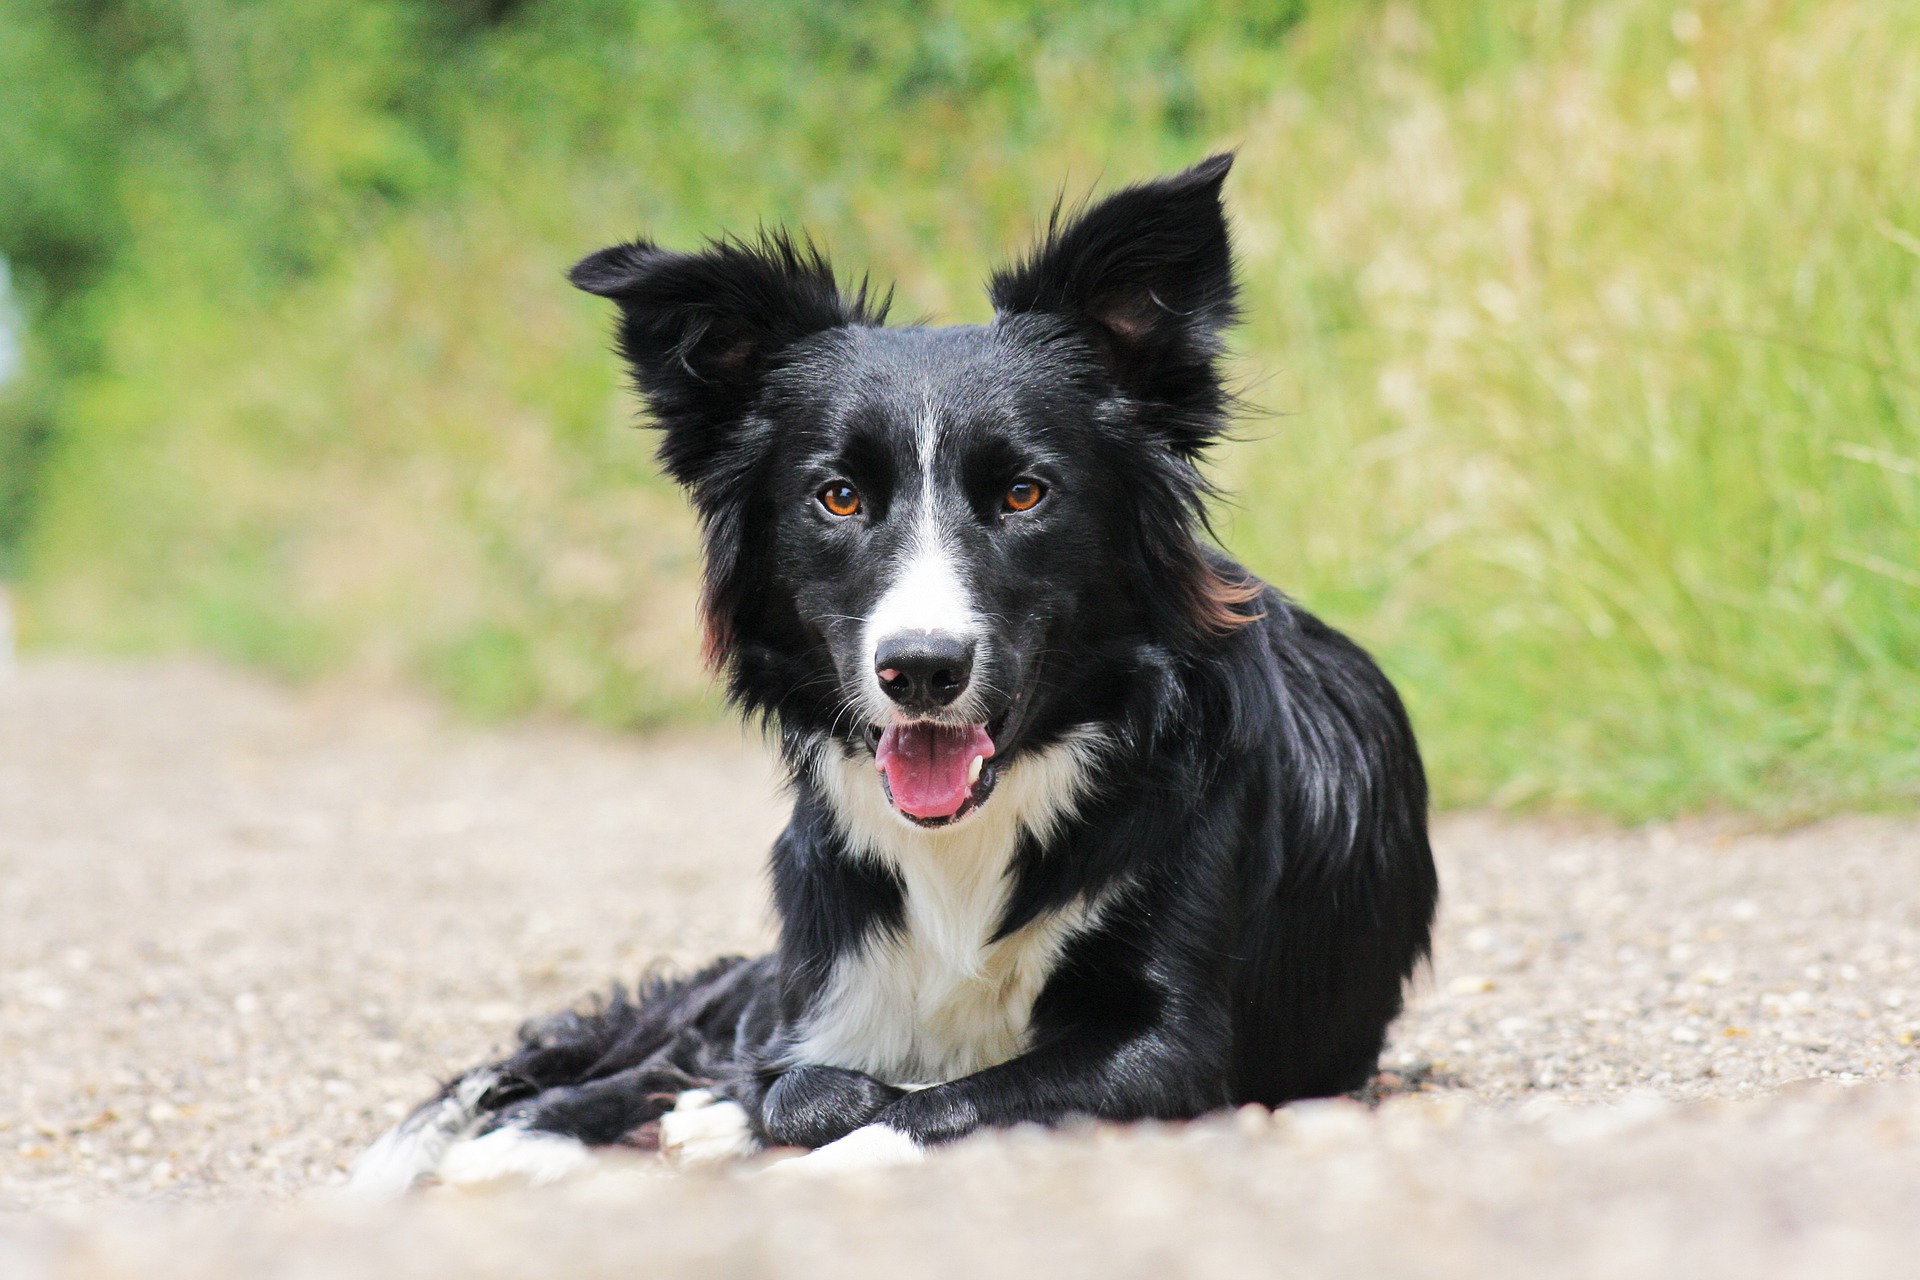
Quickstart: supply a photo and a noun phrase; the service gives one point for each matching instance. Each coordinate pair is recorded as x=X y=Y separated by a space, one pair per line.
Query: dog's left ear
x=1147 y=273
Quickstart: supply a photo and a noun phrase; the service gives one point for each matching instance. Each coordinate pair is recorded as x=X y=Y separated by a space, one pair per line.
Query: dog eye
x=1023 y=495
x=840 y=499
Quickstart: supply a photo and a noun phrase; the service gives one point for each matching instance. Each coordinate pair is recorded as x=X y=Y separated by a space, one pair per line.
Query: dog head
x=946 y=546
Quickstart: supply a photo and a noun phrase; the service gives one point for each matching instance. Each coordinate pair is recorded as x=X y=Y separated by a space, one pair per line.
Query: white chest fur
x=936 y=1000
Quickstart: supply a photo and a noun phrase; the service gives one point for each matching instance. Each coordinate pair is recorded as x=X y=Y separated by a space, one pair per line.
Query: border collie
x=1087 y=821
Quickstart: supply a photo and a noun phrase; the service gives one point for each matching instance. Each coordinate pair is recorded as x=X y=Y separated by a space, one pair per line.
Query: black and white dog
x=1087 y=821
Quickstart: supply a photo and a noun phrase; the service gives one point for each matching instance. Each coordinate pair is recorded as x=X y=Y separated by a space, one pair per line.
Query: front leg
x=1133 y=1038
x=1134 y=1024
x=1143 y=1078
x=812 y=1106
x=1152 y=1076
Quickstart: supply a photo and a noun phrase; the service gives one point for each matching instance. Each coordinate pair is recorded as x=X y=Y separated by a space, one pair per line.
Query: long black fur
x=1257 y=826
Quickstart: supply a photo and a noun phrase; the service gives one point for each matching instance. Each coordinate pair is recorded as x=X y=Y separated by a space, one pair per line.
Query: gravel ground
x=243 y=930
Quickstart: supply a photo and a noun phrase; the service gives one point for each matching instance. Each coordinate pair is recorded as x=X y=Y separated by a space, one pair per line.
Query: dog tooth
x=973 y=770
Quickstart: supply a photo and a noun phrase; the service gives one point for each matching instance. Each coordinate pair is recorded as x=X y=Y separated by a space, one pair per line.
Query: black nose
x=923 y=670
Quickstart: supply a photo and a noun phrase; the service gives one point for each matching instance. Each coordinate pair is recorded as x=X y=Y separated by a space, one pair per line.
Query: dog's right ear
x=700 y=330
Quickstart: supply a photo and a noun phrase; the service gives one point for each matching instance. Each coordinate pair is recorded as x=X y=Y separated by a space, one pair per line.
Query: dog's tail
x=622 y=1061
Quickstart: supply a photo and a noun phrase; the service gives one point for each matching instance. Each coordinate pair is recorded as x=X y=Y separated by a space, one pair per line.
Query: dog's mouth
x=934 y=774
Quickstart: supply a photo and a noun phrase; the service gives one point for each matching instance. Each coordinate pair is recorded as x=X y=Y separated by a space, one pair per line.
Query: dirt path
x=241 y=930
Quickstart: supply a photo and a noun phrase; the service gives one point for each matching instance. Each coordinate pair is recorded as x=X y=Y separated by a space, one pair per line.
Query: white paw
x=703 y=1129
x=413 y=1149
x=513 y=1155
x=873 y=1146
x=397 y=1159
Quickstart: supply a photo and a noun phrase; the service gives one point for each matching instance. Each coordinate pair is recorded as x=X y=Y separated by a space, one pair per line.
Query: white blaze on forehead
x=928 y=593
x=928 y=590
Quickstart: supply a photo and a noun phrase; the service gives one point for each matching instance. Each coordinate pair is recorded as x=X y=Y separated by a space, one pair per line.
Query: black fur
x=1255 y=829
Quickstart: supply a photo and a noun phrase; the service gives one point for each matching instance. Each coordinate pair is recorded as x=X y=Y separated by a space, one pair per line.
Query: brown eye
x=1023 y=495
x=840 y=498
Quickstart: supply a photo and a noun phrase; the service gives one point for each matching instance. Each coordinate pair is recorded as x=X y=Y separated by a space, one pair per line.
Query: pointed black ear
x=1147 y=273
x=699 y=330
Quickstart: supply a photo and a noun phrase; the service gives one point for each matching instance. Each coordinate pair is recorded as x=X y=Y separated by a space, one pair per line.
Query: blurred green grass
x=1584 y=337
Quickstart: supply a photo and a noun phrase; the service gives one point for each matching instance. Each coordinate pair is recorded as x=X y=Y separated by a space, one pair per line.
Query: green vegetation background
x=1584 y=336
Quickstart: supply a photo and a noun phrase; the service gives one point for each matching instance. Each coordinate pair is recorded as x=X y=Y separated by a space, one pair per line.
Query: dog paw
x=412 y=1150
x=874 y=1146
x=704 y=1129
x=524 y=1156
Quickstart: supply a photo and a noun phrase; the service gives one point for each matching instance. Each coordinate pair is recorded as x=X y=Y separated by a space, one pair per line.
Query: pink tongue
x=927 y=765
